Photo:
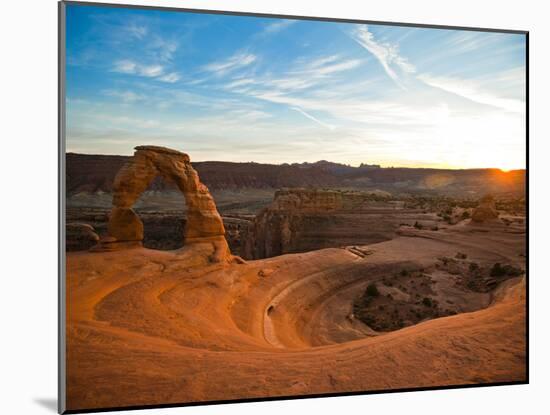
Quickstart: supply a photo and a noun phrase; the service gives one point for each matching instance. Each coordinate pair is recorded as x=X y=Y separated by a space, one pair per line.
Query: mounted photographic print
x=259 y=207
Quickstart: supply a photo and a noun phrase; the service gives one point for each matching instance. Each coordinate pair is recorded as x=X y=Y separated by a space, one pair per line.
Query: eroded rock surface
x=204 y=225
x=227 y=331
x=486 y=211
x=301 y=220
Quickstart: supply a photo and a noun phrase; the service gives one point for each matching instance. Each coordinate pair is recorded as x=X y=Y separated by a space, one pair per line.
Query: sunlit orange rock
x=204 y=224
x=486 y=210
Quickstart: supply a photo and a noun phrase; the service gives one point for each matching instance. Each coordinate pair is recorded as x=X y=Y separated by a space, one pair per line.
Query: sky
x=269 y=90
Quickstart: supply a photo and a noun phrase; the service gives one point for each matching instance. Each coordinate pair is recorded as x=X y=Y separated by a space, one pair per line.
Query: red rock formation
x=166 y=332
x=308 y=200
x=301 y=220
x=486 y=211
x=204 y=224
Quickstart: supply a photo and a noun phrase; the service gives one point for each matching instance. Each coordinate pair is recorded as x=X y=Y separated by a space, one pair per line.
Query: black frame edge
x=61 y=309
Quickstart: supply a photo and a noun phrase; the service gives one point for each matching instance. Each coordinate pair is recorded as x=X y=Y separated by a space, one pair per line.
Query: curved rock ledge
x=280 y=326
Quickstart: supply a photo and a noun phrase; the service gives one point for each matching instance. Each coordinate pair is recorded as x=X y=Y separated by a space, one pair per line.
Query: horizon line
x=382 y=166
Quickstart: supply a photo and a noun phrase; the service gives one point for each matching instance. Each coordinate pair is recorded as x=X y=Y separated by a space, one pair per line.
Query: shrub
x=499 y=270
x=427 y=302
x=372 y=291
x=417 y=225
x=513 y=271
x=465 y=215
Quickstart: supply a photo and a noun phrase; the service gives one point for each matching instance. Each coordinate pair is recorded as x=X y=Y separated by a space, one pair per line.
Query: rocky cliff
x=300 y=220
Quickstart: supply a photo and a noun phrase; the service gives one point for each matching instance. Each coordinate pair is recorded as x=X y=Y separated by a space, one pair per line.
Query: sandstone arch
x=204 y=224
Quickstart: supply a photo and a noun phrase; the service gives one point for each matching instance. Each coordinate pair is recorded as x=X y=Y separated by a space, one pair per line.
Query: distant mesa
x=204 y=225
x=92 y=174
x=323 y=200
x=307 y=199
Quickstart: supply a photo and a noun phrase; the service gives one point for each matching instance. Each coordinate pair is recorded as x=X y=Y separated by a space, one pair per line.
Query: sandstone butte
x=147 y=327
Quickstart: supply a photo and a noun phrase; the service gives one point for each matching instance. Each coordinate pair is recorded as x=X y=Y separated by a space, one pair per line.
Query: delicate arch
x=125 y=229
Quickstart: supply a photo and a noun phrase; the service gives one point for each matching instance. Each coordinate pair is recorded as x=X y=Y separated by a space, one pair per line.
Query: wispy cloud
x=163 y=48
x=292 y=82
x=128 y=97
x=325 y=65
x=239 y=83
x=389 y=112
x=238 y=60
x=386 y=53
x=150 y=71
x=466 y=41
x=277 y=26
x=311 y=117
x=302 y=75
x=127 y=66
x=135 y=30
x=170 y=77
x=337 y=67
x=251 y=115
x=477 y=90
x=291 y=87
x=316 y=63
